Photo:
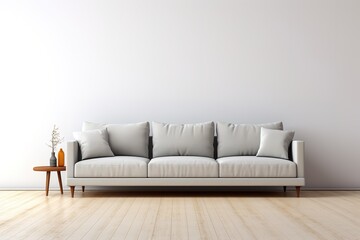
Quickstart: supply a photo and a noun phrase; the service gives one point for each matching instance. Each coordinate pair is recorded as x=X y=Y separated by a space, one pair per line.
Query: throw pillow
x=275 y=143
x=93 y=144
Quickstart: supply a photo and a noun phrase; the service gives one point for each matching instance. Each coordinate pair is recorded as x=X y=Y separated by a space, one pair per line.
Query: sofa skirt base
x=186 y=181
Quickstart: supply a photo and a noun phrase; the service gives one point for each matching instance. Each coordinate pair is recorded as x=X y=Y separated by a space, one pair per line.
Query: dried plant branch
x=55 y=138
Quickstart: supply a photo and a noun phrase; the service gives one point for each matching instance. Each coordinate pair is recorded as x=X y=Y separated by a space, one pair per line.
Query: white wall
x=181 y=61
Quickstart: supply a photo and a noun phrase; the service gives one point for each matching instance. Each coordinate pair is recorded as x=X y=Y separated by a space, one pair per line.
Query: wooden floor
x=201 y=215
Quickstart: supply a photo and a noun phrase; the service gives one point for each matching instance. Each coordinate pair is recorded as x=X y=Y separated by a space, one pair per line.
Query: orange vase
x=61 y=157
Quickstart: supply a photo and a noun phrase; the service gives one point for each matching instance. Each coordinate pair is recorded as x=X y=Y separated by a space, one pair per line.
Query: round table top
x=48 y=168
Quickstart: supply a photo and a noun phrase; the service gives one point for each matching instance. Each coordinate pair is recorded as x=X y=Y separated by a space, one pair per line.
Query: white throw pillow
x=275 y=143
x=93 y=143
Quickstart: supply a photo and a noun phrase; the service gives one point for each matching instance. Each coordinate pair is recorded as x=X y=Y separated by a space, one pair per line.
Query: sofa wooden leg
x=72 y=190
x=83 y=188
x=284 y=187
x=298 y=191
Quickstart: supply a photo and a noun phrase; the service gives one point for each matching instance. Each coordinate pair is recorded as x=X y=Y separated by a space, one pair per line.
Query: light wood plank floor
x=184 y=215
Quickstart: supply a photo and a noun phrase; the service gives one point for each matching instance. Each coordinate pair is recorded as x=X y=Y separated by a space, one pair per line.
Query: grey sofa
x=181 y=155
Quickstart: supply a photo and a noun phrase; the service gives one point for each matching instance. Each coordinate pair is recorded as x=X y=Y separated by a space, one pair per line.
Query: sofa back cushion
x=183 y=139
x=241 y=139
x=129 y=139
x=125 y=139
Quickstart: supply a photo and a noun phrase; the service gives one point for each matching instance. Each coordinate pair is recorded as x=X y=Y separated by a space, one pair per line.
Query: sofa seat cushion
x=112 y=167
x=182 y=167
x=251 y=166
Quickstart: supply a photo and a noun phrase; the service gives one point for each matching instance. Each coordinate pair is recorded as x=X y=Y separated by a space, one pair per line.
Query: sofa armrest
x=298 y=154
x=72 y=156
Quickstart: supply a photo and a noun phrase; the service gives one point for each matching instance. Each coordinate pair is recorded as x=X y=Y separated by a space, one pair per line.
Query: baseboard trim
x=66 y=188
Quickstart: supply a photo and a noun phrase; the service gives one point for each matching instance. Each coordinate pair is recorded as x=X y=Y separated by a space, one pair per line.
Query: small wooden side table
x=49 y=169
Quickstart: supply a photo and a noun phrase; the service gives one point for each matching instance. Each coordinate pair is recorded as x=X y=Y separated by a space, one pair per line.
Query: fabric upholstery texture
x=129 y=139
x=94 y=143
x=275 y=143
x=183 y=139
x=182 y=166
x=257 y=167
x=241 y=139
x=125 y=139
x=112 y=167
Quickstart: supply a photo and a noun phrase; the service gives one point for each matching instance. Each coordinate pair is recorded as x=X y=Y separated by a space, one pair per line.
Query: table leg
x=47 y=182
x=60 y=182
